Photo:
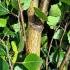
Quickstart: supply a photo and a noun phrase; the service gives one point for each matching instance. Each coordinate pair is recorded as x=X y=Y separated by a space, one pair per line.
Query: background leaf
x=26 y=4
x=3 y=65
x=52 y=21
x=3 y=22
x=14 y=4
x=16 y=27
x=66 y=1
x=7 y=32
x=68 y=34
x=2 y=52
x=44 y=41
x=20 y=45
x=55 y=10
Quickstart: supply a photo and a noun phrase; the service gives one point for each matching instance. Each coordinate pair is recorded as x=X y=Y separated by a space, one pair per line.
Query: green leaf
x=55 y=10
x=2 y=52
x=40 y=14
x=14 y=47
x=16 y=27
x=3 y=65
x=14 y=58
x=66 y=1
x=52 y=21
x=26 y=4
x=3 y=10
x=58 y=34
x=3 y=22
x=68 y=34
x=32 y=62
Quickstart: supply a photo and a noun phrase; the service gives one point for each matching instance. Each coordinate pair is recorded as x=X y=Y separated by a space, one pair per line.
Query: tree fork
x=33 y=39
x=35 y=28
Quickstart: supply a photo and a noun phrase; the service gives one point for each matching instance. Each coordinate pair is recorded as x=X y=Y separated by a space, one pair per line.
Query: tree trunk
x=35 y=27
x=34 y=39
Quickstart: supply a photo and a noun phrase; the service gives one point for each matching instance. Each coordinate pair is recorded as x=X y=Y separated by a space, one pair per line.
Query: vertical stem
x=8 y=56
x=44 y=6
x=22 y=20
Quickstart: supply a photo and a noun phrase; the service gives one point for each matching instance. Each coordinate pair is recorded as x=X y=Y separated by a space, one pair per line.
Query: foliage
x=3 y=10
x=55 y=36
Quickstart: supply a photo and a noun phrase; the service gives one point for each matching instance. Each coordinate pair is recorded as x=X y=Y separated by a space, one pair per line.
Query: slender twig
x=8 y=56
x=22 y=20
x=52 y=40
x=65 y=59
x=13 y=14
x=65 y=28
x=44 y=9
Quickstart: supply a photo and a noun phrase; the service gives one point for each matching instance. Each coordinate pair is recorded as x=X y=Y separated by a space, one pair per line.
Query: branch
x=65 y=59
x=13 y=14
x=34 y=3
x=22 y=20
x=52 y=40
x=44 y=6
